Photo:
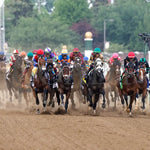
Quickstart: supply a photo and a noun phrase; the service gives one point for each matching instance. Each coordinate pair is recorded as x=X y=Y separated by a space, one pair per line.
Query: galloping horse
x=96 y=85
x=130 y=87
x=14 y=83
x=52 y=85
x=112 y=78
x=142 y=82
x=64 y=85
x=40 y=83
x=77 y=74
x=26 y=88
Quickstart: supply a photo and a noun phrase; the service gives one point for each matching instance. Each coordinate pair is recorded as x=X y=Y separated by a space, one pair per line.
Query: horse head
x=98 y=65
x=66 y=73
x=41 y=64
x=116 y=67
x=77 y=63
x=130 y=69
x=141 y=75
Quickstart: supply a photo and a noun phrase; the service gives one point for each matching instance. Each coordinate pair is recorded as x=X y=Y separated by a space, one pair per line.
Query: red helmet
x=34 y=51
x=15 y=51
x=40 y=52
x=75 y=50
x=131 y=55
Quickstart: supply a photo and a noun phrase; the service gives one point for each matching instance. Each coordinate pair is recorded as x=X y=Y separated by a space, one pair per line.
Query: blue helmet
x=1 y=53
x=85 y=58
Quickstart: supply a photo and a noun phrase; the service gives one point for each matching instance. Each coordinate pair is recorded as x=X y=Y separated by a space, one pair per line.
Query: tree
x=71 y=11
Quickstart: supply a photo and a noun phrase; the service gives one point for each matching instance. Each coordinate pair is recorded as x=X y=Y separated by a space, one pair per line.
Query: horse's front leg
x=143 y=98
x=62 y=99
x=57 y=95
x=95 y=102
x=132 y=98
x=89 y=97
x=103 y=93
x=45 y=98
x=126 y=99
x=35 y=94
x=67 y=101
x=72 y=99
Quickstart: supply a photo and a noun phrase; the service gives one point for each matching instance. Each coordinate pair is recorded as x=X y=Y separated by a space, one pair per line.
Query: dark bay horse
x=14 y=83
x=96 y=85
x=112 y=78
x=64 y=85
x=142 y=82
x=53 y=86
x=130 y=87
x=77 y=75
x=40 y=84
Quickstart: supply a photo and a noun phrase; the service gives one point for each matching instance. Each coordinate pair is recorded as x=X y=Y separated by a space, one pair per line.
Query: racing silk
x=51 y=56
x=72 y=56
x=93 y=56
x=27 y=63
x=127 y=60
x=35 y=61
x=12 y=60
x=146 y=64
x=63 y=61
x=3 y=59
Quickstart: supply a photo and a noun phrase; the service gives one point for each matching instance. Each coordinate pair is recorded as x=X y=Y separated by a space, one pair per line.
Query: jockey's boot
x=32 y=81
x=121 y=86
x=147 y=84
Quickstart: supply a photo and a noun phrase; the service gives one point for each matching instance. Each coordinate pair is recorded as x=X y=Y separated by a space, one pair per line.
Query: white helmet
x=47 y=50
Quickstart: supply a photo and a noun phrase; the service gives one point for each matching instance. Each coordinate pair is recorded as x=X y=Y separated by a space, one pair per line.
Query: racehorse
x=130 y=87
x=14 y=83
x=112 y=78
x=26 y=88
x=142 y=82
x=95 y=85
x=64 y=85
x=77 y=74
x=40 y=83
x=53 y=87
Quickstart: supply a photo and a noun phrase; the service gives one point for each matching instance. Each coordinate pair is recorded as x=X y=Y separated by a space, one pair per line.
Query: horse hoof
x=130 y=114
x=53 y=105
x=89 y=107
x=38 y=112
x=103 y=106
x=94 y=112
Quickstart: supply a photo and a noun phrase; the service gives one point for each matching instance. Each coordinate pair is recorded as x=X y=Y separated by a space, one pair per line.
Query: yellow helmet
x=64 y=51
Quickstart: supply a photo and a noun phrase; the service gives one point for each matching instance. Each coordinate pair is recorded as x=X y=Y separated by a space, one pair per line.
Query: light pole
x=111 y=20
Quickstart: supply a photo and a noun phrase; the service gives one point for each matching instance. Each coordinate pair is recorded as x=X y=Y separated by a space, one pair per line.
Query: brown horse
x=14 y=83
x=40 y=83
x=26 y=88
x=130 y=87
x=64 y=85
x=112 y=79
x=142 y=82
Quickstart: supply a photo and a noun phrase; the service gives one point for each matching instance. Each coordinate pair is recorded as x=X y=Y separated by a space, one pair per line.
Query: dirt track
x=26 y=131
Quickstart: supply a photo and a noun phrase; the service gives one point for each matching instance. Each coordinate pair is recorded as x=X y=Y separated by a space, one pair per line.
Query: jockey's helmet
x=115 y=55
x=75 y=50
x=97 y=50
x=15 y=51
x=131 y=55
x=47 y=50
x=85 y=58
x=1 y=53
x=23 y=54
x=30 y=54
x=142 y=60
x=34 y=51
x=40 y=52
x=64 y=52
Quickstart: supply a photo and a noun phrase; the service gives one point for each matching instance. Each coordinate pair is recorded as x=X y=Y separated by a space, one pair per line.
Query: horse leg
x=62 y=99
x=132 y=97
x=20 y=95
x=35 y=93
x=57 y=95
x=45 y=98
x=143 y=99
x=72 y=100
x=126 y=99
x=103 y=93
x=26 y=98
x=67 y=101
x=89 y=97
x=95 y=102
x=107 y=98
x=52 y=98
x=136 y=101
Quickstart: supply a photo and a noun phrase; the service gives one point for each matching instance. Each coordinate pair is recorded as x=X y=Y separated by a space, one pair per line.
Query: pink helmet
x=115 y=55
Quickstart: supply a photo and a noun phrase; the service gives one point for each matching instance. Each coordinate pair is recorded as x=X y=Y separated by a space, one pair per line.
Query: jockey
x=64 y=58
x=34 y=52
x=143 y=61
x=76 y=53
x=27 y=61
x=49 y=55
x=2 y=57
x=12 y=61
x=114 y=57
x=131 y=57
x=23 y=54
x=40 y=53
x=96 y=54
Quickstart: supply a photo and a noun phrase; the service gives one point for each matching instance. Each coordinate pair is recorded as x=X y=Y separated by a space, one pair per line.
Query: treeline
x=31 y=26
